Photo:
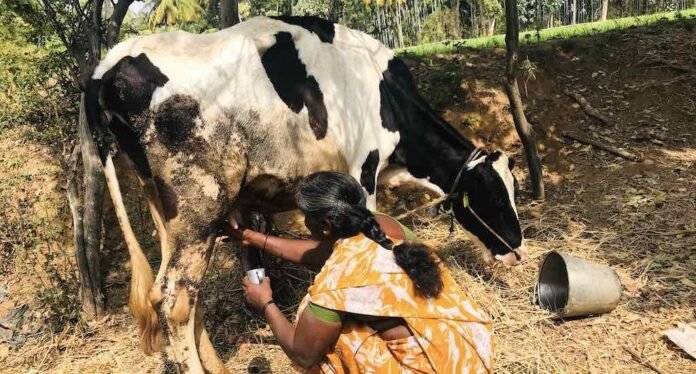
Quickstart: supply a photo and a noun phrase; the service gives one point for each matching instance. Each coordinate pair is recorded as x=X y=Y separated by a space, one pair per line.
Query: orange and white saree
x=451 y=334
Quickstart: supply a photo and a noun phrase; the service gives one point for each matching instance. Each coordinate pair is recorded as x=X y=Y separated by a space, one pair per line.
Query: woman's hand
x=237 y=233
x=257 y=295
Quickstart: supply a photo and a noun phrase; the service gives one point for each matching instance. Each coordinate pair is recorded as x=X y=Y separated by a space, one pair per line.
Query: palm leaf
x=174 y=12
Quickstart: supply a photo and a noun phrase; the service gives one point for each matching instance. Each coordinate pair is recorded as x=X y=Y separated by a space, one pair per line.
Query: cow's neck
x=431 y=148
x=437 y=153
x=428 y=146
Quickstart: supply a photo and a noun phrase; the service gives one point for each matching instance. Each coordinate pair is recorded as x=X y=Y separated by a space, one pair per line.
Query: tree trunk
x=86 y=295
x=94 y=302
x=457 y=18
x=574 y=12
x=605 y=9
x=113 y=28
x=87 y=216
x=229 y=13
x=398 y=25
x=524 y=129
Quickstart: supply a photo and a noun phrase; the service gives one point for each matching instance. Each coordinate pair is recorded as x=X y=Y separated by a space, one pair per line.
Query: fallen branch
x=637 y=356
x=661 y=62
x=587 y=108
x=602 y=146
x=671 y=233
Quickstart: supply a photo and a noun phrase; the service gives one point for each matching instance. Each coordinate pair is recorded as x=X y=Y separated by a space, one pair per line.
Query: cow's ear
x=511 y=163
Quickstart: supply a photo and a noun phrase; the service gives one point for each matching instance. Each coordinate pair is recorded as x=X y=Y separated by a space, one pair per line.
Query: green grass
x=563 y=32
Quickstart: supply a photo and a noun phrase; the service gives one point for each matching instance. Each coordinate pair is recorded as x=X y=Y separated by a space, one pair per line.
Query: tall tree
x=80 y=28
x=524 y=129
x=604 y=10
x=229 y=13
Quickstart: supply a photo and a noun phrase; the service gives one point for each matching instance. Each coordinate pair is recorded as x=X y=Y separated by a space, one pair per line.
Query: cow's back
x=295 y=100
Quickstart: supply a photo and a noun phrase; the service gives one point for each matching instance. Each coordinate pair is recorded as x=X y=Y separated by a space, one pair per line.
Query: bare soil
x=637 y=217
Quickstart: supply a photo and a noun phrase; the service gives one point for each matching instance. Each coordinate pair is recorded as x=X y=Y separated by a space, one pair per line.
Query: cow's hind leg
x=186 y=345
x=201 y=202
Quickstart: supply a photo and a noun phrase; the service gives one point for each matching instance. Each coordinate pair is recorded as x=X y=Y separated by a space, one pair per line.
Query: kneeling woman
x=381 y=302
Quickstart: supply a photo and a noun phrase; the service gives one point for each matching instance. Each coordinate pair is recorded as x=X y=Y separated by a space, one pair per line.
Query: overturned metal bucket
x=571 y=287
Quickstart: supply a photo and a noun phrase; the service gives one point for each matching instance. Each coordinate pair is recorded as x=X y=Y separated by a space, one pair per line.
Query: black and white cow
x=234 y=119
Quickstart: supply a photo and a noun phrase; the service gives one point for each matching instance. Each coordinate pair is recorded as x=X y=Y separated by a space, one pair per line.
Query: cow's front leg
x=367 y=176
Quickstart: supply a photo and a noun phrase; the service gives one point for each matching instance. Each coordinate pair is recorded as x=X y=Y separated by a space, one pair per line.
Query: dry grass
x=532 y=340
x=528 y=339
x=640 y=219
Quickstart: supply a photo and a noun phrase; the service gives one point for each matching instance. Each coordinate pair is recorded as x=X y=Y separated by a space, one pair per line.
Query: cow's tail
x=142 y=278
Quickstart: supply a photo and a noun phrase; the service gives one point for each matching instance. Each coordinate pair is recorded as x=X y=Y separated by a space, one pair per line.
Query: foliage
x=530 y=11
x=564 y=32
x=492 y=9
x=175 y=12
x=441 y=25
x=359 y=16
x=312 y=8
x=36 y=89
x=270 y=7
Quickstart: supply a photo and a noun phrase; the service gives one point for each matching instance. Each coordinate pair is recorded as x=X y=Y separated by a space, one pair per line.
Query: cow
x=232 y=120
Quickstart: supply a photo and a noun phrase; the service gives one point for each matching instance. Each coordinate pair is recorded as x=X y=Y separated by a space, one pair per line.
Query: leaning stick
x=587 y=108
x=605 y=147
x=424 y=206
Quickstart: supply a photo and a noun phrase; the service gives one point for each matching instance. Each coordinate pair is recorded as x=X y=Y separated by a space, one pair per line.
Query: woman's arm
x=306 y=252
x=307 y=344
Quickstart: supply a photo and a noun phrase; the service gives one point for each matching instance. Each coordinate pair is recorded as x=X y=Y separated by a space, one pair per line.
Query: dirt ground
x=637 y=217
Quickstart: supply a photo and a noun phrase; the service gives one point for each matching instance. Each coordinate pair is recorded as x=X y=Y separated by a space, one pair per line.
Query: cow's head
x=485 y=207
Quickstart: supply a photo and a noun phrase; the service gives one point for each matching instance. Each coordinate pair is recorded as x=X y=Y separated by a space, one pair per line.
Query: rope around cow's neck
x=450 y=195
x=465 y=202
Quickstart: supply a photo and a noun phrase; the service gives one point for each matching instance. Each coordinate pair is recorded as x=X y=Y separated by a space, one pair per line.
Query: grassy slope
x=563 y=32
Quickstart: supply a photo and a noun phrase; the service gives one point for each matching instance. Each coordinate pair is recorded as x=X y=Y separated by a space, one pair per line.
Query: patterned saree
x=451 y=334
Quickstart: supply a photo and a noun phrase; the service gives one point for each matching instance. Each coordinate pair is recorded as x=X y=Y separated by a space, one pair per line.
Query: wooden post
x=524 y=129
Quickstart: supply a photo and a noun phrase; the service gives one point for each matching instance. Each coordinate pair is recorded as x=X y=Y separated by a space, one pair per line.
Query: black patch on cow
x=175 y=119
x=129 y=142
x=397 y=84
x=324 y=29
x=289 y=77
x=368 y=174
x=96 y=120
x=168 y=197
x=126 y=90
x=128 y=86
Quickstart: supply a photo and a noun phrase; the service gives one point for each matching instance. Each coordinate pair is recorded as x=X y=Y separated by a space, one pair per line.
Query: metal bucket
x=570 y=286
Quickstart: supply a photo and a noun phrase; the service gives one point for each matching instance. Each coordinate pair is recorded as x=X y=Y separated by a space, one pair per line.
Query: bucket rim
x=559 y=255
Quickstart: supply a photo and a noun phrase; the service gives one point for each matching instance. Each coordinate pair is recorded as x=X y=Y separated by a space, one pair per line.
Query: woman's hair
x=339 y=199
